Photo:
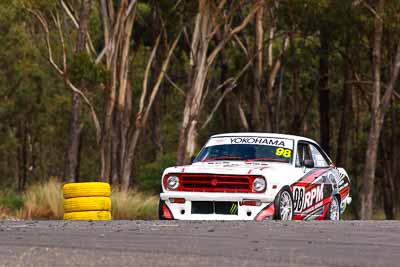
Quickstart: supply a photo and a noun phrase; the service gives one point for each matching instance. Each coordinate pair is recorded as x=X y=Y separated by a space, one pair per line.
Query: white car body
x=277 y=174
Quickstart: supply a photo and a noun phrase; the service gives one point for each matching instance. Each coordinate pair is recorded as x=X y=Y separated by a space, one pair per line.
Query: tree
x=117 y=135
x=379 y=106
x=201 y=60
x=73 y=149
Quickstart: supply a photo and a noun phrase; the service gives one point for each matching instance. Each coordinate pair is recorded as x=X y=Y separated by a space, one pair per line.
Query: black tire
x=285 y=192
x=160 y=211
x=328 y=214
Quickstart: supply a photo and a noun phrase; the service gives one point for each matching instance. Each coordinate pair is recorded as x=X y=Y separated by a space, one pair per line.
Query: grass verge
x=134 y=205
x=44 y=201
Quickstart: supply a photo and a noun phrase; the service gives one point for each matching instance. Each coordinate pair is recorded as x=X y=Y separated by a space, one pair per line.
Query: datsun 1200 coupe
x=256 y=176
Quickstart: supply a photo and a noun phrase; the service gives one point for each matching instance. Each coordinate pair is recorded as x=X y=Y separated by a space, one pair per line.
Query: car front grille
x=216 y=183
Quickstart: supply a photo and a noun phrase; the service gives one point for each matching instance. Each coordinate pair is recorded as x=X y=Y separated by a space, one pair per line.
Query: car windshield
x=258 y=150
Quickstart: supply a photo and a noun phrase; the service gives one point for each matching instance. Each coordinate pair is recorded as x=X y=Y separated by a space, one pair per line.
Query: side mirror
x=309 y=163
x=192 y=159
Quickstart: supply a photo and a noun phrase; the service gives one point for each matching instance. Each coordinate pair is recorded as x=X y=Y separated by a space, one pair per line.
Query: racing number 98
x=298 y=198
x=283 y=152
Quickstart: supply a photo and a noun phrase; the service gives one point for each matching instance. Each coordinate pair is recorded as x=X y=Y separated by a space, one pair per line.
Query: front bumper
x=183 y=211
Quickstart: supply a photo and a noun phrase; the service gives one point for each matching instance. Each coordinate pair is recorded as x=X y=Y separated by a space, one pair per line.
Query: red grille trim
x=195 y=182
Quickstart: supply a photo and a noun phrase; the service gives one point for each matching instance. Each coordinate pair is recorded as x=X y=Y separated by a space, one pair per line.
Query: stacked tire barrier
x=87 y=201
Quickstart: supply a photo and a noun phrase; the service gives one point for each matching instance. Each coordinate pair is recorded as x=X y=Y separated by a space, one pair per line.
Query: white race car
x=256 y=176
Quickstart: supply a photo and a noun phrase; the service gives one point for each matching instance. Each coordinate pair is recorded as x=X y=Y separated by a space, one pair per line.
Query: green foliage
x=150 y=174
x=11 y=200
x=83 y=68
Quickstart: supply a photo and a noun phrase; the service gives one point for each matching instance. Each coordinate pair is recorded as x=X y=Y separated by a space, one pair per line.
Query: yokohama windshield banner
x=251 y=140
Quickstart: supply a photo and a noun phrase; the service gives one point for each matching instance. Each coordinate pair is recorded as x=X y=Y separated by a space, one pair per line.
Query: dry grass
x=43 y=201
x=10 y=202
x=6 y=213
x=134 y=205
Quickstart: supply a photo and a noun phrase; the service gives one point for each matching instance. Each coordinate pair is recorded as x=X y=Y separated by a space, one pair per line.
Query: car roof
x=273 y=135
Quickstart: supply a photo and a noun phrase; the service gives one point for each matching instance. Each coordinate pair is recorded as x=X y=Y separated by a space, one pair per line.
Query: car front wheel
x=334 y=210
x=160 y=211
x=284 y=205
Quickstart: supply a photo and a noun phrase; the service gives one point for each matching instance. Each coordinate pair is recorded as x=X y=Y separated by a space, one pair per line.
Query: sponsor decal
x=303 y=200
x=234 y=208
x=277 y=142
x=286 y=153
x=298 y=198
x=256 y=140
x=317 y=206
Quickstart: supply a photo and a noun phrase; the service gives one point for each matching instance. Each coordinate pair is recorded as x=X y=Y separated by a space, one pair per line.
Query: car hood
x=231 y=167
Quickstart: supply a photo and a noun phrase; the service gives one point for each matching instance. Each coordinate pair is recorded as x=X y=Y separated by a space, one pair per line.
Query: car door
x=323 y=186
x=315 y=185
x=299 y=188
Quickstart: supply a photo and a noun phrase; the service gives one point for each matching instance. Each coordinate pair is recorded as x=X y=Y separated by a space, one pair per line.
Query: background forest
x=117 y=90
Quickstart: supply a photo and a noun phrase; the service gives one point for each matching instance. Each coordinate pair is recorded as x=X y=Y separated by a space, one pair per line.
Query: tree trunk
x=115 y=132
x=155 y=125
x=22 y=155
x=296 y=98
x=128 y=161
x=296 y=101
x=378 y=108
x=200 y=63
x=388 y=181
x=324 y=91
x=123 y=104
x=71 y=173
x=227 y=102
x=258 y=72
x=143 y=114
x=71 y=170
x=274 y=66
x=156 y=113
x=367 y=192
x=347 y=117
x=189 y=128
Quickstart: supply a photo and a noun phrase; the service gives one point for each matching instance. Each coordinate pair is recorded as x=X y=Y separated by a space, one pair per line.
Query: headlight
x=173 y=182
x=259 y=184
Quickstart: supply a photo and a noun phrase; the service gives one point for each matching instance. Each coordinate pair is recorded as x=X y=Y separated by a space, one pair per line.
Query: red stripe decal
x=298 y=216
x=325 y=202
x=166 y=212
x=314 y=175
x=266 y=212
x=309 y=177
x=343 y=193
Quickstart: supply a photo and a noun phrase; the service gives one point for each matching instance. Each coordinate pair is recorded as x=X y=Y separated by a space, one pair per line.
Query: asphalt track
x=160 y=243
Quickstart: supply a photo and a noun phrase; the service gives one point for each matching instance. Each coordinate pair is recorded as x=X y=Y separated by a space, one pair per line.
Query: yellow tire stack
x=87 y=201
